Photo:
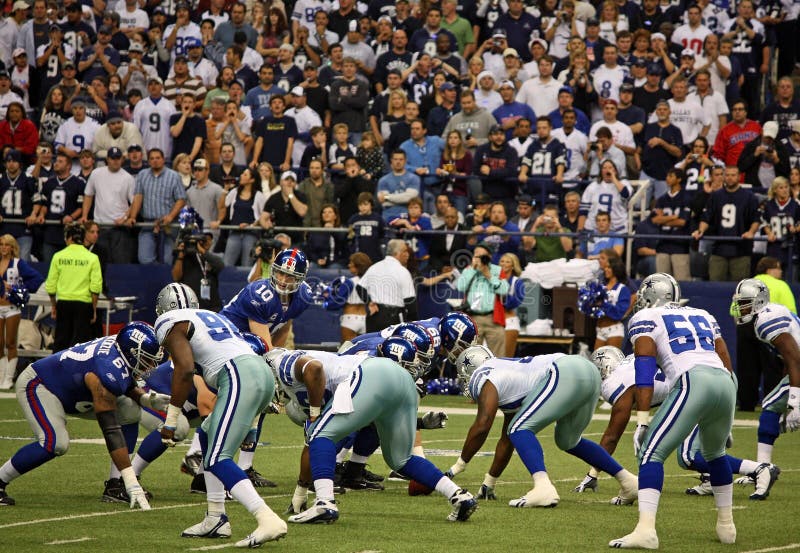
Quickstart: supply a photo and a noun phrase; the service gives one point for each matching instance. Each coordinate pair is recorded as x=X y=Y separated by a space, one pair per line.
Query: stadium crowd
x=383 y=117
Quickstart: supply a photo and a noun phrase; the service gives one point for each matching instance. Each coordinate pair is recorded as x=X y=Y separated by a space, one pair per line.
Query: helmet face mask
x=458 y=332
x=750 y=297
x=607 y=359
x=176 y=296
x=288 y=271
x=470 y=359
x=421 y=339
x=656 y=290
x=138 y=345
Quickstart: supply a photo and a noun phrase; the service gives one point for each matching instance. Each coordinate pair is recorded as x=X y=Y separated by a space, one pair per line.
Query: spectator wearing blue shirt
x=511 y=111
x=520 y=26
x=440 y=115
x=257 y=99
x=494 y=232
x=423 y=155
x=662 y=149
x=672 y=213
x=429 y=32
x=566 y=99
x=610 y=330
x=411 y=220
x=600 y=240
x=398 y=187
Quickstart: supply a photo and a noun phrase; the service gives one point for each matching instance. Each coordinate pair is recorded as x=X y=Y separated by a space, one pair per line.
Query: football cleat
x=198 y=484
x=703 y=488
x=765 y=477
x=321 y=512
x=212 y=526
x=726 y=532
x=395 y=476
x=638 y=539
x=115 y=492
x=462 y=504
x=746 y=480
x=542 y=495
x=270 y=528
x=371 y=476
x=360 y=483
x=192 y=464
x=258 y=480
x=5 y=499
x=628 y=492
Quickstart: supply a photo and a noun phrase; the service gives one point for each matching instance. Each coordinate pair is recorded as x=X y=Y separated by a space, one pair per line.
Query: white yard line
x=212 y=547
x=780 y=548
x=62 y=542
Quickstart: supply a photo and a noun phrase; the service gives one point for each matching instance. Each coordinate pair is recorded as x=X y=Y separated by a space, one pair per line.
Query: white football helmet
x=176 y=296
x=750 y=297
x=656 y=290
x=470 y=359
x=606 y=359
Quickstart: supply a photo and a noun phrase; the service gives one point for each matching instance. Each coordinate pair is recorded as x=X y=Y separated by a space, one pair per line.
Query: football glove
x=588 y=484
x=638 y=438
x=422 y=389
x=793 y=420
x=168 y=436
x=487 y=493
x=432 y=420
x=299 y=500
x=138 y=497
x=154 y=400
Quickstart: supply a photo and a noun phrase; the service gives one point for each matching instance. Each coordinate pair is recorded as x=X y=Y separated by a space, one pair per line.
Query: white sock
x=245 y=459
x=764 y=453
x=342 y=455
x=418 y=450
x=748 y=467
x=8 y=472
x=648 y=503
x=647 y=520
x=541 y=478
x=114 y=472
x=725 y=514
x=360 y=459
x=324 y=489
x=215 y=508
x=246 y=494
x=622 y=475
x=195 y=447
x=139 y=464
x=215 y=490
x=593 y=472
x=446 y=487
x=723 y=495
x=12 y=368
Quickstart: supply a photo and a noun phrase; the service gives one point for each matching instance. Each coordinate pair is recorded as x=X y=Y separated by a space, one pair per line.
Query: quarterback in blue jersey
x=85 y=378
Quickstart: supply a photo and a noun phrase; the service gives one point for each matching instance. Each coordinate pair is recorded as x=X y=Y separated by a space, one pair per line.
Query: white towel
x=342 y=400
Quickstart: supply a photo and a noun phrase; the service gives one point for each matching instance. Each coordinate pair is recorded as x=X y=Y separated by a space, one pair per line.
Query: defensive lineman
x=686 y=343
x=245 y=386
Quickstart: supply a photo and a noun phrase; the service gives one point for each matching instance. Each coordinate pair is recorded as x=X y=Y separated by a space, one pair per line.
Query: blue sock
x=346 y=442
x=323 y=458
x=720 y=471
x=131 y=432
x=29 y=457
x=151 y=447
x=228 y=472
x=596 y=456
x=258 y=435
x=699 y=464
x=735 y=463
x=366 y=441
x=422 y=470
x=529 y=450
x=769 y=427
x=651 y=476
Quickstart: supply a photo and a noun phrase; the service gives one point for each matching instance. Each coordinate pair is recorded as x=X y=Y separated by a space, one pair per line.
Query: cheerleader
x=610 y=330
x=343 y=294
x=510 y=269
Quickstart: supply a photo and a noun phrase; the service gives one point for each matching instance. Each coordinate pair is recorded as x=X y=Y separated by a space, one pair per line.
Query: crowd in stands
x=382 y=118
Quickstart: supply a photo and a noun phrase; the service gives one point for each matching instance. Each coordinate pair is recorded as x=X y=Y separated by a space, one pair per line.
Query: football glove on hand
x=138 y=497
x=299 y=500
x=432 y=420
x=638 y=438
x=487 y=493
x=422 y=389
x=154 y=400
x=274 y=408
x=589 y=484
x=168 y=436
x=793 y=420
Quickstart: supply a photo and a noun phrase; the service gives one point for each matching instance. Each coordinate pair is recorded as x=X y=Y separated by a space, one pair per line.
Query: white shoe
x=463 y=505
x=213 y=526
x=605 y=406
x=542 y=495
x=765 y=477
x=726 y=532
x=271 y=528
x=703 y=488
x=638 y=539
x=322 y=511
x=628 y=492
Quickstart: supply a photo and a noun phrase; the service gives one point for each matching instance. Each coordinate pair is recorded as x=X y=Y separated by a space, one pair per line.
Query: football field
x=59 y=509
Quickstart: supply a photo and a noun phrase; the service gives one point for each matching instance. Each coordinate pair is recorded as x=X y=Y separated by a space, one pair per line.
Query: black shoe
x=198 y=484
x=371 y=476
x=258 y=480
x=115 y=492
x=5 y=500
x=395 y=476
x=361 y=484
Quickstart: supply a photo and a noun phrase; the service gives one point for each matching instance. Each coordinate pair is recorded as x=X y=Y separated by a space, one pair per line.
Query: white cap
x=352 y=27
x=485 y=73
x=770 y=129
x=289 y=175
x=20 y=5
x=510 y=52
x=688 y=52
x=658 y=35
x=298 y=91
x=508 y=83
x=542 y=42
x=18 y=52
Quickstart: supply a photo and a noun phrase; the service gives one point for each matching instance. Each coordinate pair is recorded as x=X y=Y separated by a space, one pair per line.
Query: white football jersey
x=152 y=120
x=214 y=339
x=338 y=369
x=607 y=81
x=691 y=38
x=604 y=196
x=514 y=378
x=77 y=136
x=684 y=338
x=774 y=320
x=576 y=143
x=624 y=376
x=190 y=30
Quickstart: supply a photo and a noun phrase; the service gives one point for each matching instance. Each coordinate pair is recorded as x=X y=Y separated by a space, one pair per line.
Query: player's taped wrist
x=313 y=412
x=459 y=467
x=794 y=397
x=643 y=418
x=489 y=481
x=171 y=422
x=645 y=367
x=129 y=478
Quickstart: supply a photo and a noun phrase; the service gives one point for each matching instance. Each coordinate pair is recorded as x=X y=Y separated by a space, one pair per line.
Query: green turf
x=387 y=521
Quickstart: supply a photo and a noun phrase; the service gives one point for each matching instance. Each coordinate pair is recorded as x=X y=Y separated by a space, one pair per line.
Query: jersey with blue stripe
x=160 y=380
x=213 y=338
x=366 y=343
x=337 y=368
x=259 y=302
x=774 y=320
x=64 y=373
x=684 y=337
x=514 y=378
x=624 y=376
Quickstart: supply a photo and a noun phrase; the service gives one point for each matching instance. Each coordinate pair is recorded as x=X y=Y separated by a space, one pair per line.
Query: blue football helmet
x=256 y=342
x=458 y=332
x=418 y=336
x=292 y=267
x=138 y=345
x=188 y=218
x=403 y=352
x=18 y=295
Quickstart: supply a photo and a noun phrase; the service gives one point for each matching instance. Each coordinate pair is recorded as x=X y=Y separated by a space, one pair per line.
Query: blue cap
x=114 y=153
x=192 y=42
x=567 y=89
x=447 y=85
x=654 y=69
x=13 y=155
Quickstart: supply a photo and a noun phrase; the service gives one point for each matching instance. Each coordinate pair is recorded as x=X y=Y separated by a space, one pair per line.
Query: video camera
x=265 y=249
x=189 y=234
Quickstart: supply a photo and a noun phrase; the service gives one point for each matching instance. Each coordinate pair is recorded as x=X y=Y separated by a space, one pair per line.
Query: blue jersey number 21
x=688 y=333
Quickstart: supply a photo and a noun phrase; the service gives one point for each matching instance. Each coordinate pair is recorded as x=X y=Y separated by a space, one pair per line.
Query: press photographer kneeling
x=198 y=268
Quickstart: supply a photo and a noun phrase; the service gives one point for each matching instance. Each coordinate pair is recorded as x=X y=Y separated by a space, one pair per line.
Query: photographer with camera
x=480 y=283
x=264 y=253
x=195 y=266
x=764 y=158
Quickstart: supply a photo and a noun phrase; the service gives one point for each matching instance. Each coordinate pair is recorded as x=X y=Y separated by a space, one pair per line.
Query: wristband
x=489 y=481
x=129 y=477
x=794 y=397
x=313 y=412
x=643 y=418
x=173 y=413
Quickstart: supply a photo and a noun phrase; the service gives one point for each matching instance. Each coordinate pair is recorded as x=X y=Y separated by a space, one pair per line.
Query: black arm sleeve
x=112 y=431
x=362 y=293
x=411 y=308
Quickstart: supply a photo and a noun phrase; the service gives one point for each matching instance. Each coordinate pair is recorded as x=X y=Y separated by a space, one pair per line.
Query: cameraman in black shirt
x=198 y=268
